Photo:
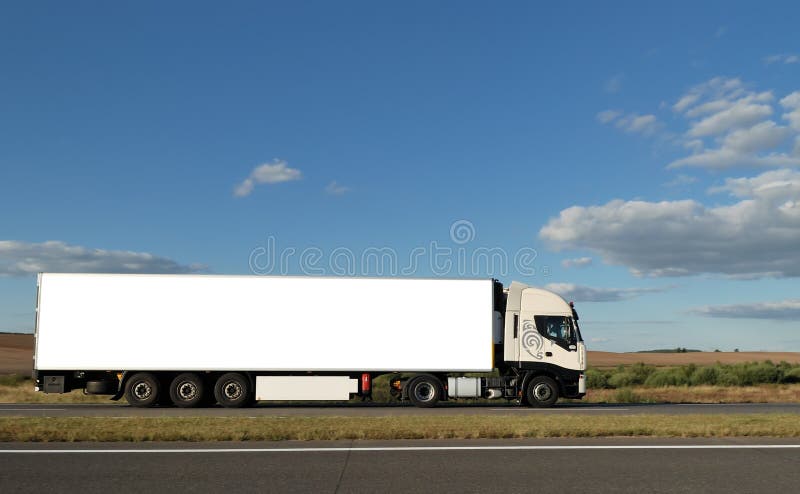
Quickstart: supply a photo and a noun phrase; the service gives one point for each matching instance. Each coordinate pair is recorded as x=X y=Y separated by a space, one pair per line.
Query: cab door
x=546 y=335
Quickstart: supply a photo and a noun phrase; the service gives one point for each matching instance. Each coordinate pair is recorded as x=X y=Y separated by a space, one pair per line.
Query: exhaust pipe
x=493 y=393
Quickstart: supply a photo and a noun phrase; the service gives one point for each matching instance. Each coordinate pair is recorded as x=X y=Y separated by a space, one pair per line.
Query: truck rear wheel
x=424 y=391
x=541 y=392
x=142 y=389
x=187 y=390
x=233 y=390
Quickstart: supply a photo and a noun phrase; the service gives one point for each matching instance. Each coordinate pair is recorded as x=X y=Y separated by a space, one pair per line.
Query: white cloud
x=581 y=293
x=718 y=88
x=772 y=185
x=755 y=237
x=641 y=123
x=632 y=122
x=614 y=84
x=764 y=135
x=739 y=114
x=743 y=147
x=686 y=101
x=607 y=116
x=785 y=58
x=792 y=104
x=727 y=158
x=787 y=310
x=25 y=258
x=792 y=100
x=578 y=262
x=729 y=125
x=336 y=189
x=268 y=173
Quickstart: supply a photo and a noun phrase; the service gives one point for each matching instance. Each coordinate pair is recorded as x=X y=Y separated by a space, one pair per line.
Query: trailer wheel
x=541 y=392
x=424 y=391
x=142 y=389
x=233 y=390
x=187 y=390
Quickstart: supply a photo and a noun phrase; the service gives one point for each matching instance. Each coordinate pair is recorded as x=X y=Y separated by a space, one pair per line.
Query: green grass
x=399 y=427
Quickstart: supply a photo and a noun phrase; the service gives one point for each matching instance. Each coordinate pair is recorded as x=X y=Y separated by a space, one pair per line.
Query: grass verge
x=19 y=389
x=439 y=427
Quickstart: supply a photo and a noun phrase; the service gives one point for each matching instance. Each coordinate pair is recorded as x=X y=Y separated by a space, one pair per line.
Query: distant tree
x=736 y=350
x=716 y=350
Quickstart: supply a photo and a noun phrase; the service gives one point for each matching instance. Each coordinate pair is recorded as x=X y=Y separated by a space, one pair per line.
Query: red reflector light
x=366 y=383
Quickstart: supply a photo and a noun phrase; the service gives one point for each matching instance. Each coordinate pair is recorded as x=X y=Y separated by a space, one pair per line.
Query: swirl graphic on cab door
x=532 y=341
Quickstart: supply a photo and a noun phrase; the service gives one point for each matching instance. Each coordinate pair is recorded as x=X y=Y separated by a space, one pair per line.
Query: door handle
x=548 y=354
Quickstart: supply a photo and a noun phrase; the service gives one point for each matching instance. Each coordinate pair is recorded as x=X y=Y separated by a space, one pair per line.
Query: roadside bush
x=13 y=379
x=633 y=375
x=596 y=379
x=791 y=375
x=668 y=377
x=704 y=375
x=641 y=372
x=726 y=377
x=764 y=372
x=621 y=380
x=743 y=374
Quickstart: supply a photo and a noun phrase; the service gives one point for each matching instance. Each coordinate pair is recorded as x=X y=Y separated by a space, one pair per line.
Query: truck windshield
x=560 y=329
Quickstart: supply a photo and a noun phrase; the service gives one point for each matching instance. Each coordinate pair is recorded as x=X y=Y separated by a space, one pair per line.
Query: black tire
x=541 y=392
x=101 y=387
x=187 y=390
x=232 y=390
x=142 y=390
x=424 y=391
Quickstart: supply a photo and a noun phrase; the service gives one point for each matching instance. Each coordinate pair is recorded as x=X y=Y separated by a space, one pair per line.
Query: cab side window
x=559 y=329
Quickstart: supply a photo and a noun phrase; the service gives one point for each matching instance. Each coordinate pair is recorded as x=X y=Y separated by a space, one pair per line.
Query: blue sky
x=643 y=159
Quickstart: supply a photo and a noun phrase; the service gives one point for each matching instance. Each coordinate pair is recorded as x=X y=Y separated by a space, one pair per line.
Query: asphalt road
x=375 y=410
x=598 y=466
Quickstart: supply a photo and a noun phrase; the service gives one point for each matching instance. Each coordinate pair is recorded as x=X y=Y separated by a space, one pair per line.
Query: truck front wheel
x=424 y=391
x=541 y=392
x=233 y=390
x=142 y=389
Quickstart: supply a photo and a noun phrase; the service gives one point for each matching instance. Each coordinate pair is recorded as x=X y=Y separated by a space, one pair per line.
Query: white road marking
x=761 y=405
x=402 y=448
x=31 y=409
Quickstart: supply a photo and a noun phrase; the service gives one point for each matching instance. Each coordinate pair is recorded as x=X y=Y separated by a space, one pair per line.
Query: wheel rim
x=142 y=390
x=424 y=391
x=187 y=390
x=232 y=390
x=542 y=392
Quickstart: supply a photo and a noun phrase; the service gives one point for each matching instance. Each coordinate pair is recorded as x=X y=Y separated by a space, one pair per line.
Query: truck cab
x=542 y=336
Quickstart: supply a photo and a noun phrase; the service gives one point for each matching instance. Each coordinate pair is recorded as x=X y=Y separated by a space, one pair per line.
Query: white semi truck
x=196 y=340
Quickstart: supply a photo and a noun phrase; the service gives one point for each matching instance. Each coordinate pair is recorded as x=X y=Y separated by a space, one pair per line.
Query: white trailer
x=200 y=339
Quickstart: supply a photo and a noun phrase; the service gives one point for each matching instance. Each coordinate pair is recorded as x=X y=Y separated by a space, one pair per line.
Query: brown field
x=16 y=356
